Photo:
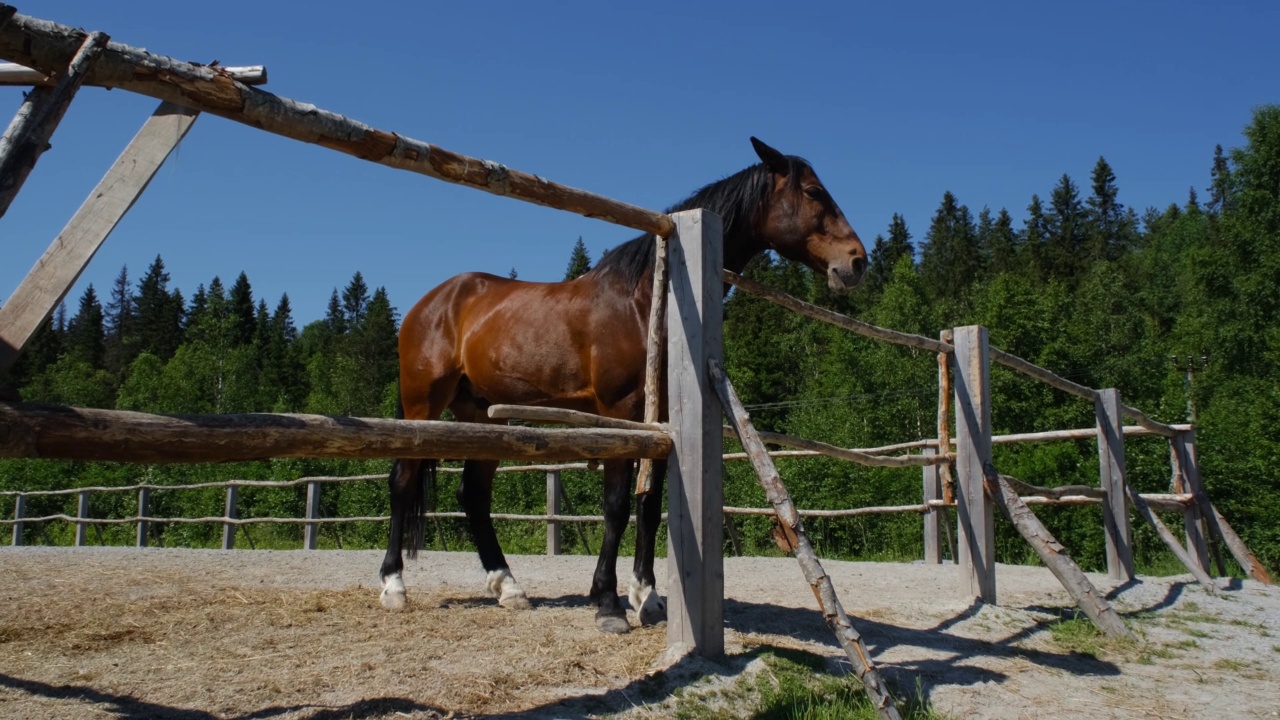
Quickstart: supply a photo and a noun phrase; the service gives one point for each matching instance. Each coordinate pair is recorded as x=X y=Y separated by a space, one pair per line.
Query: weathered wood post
x=19 y=512
x=554 y=536
x=1186 y=469
x=975 y=519
x=144 y=510
x=932 y=516
x=231 y=511
x=1111 y=475
x=82 y=511
x=695 y=495
x=311 y=531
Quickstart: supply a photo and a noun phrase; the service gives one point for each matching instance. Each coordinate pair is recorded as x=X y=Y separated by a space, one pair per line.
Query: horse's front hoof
x=515 y=601
x=613 y=624
x=392 y=597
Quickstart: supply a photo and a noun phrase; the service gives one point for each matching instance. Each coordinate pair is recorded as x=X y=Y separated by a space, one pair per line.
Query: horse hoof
x=392 y=597
x=515 y=602
x=613 y=624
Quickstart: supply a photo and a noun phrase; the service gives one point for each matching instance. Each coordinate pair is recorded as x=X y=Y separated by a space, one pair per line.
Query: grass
x=794 y=685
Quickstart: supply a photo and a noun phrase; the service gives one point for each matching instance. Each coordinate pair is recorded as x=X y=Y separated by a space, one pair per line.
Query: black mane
x=735 y=199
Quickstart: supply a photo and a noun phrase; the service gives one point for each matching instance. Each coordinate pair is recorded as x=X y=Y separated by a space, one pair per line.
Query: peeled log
x=1053 y=554
x=50 y=431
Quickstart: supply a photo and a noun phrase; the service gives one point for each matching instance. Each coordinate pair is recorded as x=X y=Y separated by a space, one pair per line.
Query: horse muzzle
x=843 y=278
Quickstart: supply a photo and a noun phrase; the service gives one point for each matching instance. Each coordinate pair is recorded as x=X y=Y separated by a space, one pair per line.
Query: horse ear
x=774 y=160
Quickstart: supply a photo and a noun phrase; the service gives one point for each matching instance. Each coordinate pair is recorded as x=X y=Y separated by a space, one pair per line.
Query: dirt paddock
x=194 y=634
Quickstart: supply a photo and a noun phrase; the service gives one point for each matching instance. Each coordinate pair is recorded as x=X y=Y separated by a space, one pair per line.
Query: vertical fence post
x=975 y=520
x=695 y=492
x=311 y=531
x=932 y=516
x=553 y=508
x=231 y=511
x=82 y=511
x=1186 y=470
x=1111 y=476
x=144 y=510
x=19 y=511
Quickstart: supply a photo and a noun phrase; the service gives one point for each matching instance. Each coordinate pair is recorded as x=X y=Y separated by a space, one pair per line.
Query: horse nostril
x=860 y=264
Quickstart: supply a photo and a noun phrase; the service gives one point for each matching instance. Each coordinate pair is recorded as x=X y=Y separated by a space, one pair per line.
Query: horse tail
x=420 y=495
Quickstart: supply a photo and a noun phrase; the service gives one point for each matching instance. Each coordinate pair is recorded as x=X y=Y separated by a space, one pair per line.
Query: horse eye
x=815 y=192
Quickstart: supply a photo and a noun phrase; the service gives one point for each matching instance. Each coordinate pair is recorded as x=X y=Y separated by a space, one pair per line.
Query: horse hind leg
x=611 y=617
x=650 y=607
x=410 y=482
x=475 y=495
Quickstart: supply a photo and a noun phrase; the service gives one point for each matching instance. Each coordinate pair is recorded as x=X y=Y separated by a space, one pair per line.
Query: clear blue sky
x=894 y=103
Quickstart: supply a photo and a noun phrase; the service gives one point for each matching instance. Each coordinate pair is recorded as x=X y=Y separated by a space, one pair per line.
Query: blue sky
x=894 y=103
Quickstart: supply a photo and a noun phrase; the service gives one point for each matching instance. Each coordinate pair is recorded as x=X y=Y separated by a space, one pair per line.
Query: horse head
x=803 y=223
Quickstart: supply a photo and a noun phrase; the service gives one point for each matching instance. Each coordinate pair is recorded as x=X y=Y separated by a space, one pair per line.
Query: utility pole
x=1189 y=364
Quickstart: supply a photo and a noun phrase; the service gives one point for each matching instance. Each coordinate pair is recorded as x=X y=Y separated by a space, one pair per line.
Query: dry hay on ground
x=203 y=634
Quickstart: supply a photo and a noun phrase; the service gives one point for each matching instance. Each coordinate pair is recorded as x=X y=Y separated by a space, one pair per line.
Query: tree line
x=1100 y=292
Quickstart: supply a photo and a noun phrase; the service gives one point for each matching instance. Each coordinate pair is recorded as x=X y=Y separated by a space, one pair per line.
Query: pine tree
x=86 y=336
x=982 y=236
x=885 y=254
x=949 y=259
x=199 y=306
x=1002 y=244
x=1066 y=250
x=355 y=300
x=284 y=373
x=243 y=315
x=1105 y=214
x=1220 y=186
x=335 y=321
x=119 y=319
x=579 y=261
x=158 y=324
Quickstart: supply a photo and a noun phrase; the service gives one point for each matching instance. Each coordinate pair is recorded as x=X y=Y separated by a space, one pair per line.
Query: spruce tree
x=1105 y=215
x=355 y=300
x=949 y=260
x=1002 y=244
x=86 y=337
x=284 y=373
x=118 y=319
x=243 y=314
x=579 y=261
x=1066 y=248
x=1220 y=184
x=158 y=325
x=335 y=321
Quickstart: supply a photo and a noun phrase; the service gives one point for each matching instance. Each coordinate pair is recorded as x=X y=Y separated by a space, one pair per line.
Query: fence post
x=975 y=520
x=19 y=511
x=82 y=511
x=553 y=508
x=1186 y=469
x=144 y=510
x=1112 y=478
x=695 y=492
x=932 y=516
x=231 y=511
x=311 y=531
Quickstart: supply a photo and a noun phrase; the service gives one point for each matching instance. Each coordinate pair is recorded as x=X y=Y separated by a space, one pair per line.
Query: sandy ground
x=194 y=634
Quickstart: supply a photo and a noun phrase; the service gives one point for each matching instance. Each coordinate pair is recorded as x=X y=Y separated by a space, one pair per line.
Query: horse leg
x=475 y=494
x=643 y=592
x=610 y=615
x=408 y=484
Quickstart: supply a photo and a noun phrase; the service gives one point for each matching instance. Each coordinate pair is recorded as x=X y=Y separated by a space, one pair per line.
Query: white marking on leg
x=649 y=606
x=502 y=585
x=392 y=592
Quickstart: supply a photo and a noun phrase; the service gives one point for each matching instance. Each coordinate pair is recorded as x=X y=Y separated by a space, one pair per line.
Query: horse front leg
x=475 y=494
x=611 y=617
x=650 y=607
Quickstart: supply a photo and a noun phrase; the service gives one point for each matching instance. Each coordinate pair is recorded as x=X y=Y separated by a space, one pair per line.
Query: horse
x=479 y=339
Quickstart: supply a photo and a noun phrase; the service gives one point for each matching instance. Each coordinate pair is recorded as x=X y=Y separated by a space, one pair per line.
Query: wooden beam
x=555 y=489
x=932 y=518
x=49 y=431
x=566 y=416
x=695 y=493
x=1054 y=555
x=57 y=270
x=975 y=520
x=833 y=318
x=1186 y=469
x=48 y=46
x=1143 y=507
x=794 y=534
x=28 y=135
x=862 y=457
x=231 y=510
x=15 y=74
x=1111 y=475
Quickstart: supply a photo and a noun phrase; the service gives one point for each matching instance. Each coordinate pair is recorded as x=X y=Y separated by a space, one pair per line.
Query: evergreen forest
x=1177 y=306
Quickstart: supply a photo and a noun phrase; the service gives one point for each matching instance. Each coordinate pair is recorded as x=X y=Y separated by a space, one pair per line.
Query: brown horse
x=479 y=339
